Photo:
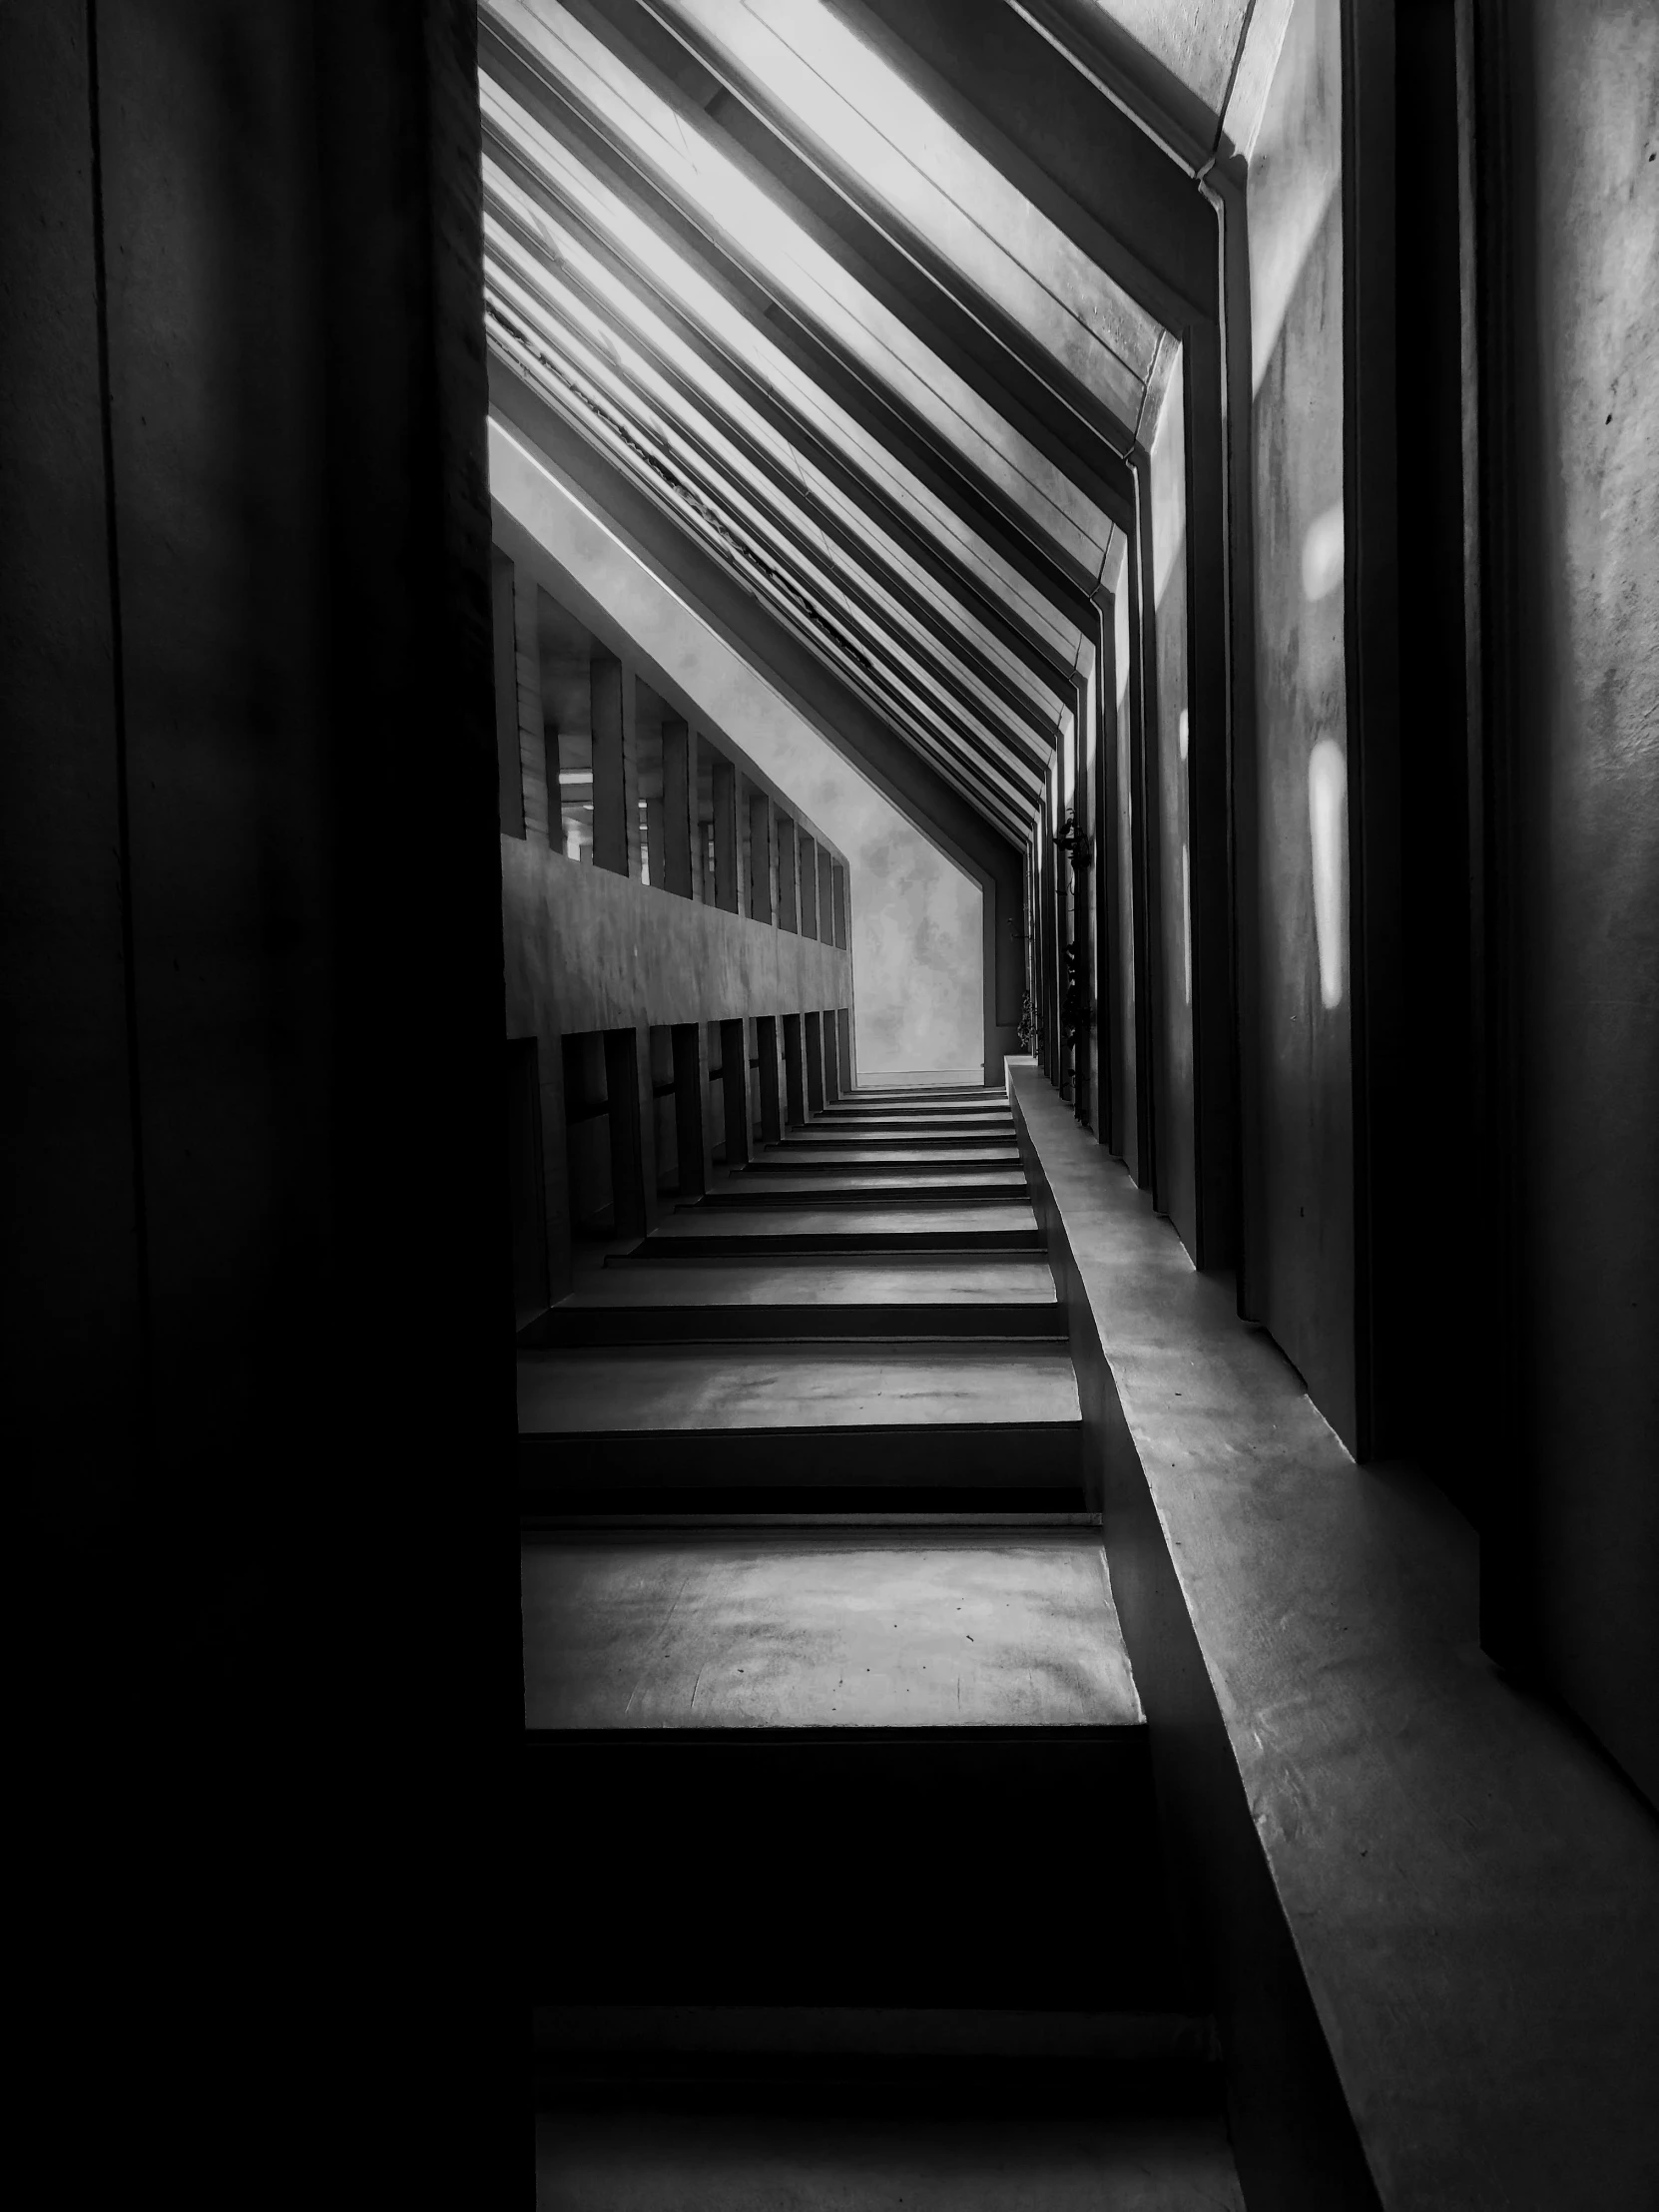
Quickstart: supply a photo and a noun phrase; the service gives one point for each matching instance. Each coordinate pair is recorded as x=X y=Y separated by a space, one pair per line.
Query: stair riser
x=875 y=1867
x=717 y=1247
x=941 y=1193
x=847 y=1140
x=658 y=1324
x=805 y=1459
x=898 y=1165
x=833 y=1118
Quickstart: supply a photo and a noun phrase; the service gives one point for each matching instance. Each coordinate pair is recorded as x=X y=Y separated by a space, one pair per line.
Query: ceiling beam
x=1094 y=168
x=797 y=433
x=1054 y=403
x=929 y=630
x=1053 y=564
x=661 y=537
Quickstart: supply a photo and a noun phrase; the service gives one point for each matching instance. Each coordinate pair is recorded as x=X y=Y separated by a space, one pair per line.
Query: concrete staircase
x=840 y=1815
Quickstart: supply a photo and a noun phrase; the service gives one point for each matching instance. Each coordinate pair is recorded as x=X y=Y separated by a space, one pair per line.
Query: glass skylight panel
x=847 y=102
x=817 y=492
x=666 y=267
x=683 y=159
x=730 y=535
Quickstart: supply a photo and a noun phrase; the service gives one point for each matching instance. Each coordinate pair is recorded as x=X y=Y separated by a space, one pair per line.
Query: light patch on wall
x=1168 y=479
x=1295 y=177
x=1321 y=555
x=916 y=922
x=1327 y=834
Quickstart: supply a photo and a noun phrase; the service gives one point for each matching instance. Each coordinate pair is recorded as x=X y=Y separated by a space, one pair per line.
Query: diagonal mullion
x=943 y=646
x=883 y=498
x=819 y=351
x=1057 y=404
x=633 y=438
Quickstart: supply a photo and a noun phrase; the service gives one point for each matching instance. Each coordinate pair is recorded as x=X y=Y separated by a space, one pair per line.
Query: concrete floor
x=651 y=2162
x=850 y=1632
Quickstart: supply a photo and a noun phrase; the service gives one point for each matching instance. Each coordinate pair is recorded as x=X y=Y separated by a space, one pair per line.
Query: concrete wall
x=1576 y=1542
x=918 y=931
x=1298 y=1150
x=590 y=950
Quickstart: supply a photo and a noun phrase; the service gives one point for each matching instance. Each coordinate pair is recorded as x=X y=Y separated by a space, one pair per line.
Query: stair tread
x=786 y=1156
x=823 y=1280
x=651 y=2161
x=825 y=1632
x=922 y=1222
x=923 y=1179
x=705 y=1389
x=912 y=1124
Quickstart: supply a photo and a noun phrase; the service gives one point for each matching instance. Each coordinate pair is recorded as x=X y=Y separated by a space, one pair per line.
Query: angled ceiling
x=731 y=244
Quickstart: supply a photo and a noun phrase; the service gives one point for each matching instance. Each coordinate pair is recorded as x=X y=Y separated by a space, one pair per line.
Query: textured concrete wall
x=918 y=928
x=586 y=949
x=1586 y=216
x=1298 y=1141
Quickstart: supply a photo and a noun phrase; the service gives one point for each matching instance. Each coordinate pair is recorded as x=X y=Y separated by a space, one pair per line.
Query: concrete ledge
x=1429 y=1906
x=586 y=949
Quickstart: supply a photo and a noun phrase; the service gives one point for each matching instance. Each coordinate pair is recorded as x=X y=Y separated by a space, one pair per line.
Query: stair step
x=823 y=1633
x=839 y=1117
x=852 y=1144
x=905 y=2156
x=702 y=1417
x=681 y=2035
x=661 y=1513
x=898 y=1298
x=856 y=1723
x=946 y=1094
x=943 y=1186
x=868 y=1160
x=1009 y=1225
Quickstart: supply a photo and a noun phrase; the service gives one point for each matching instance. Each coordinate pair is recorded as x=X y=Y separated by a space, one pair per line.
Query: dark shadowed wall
x=263 y=1529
